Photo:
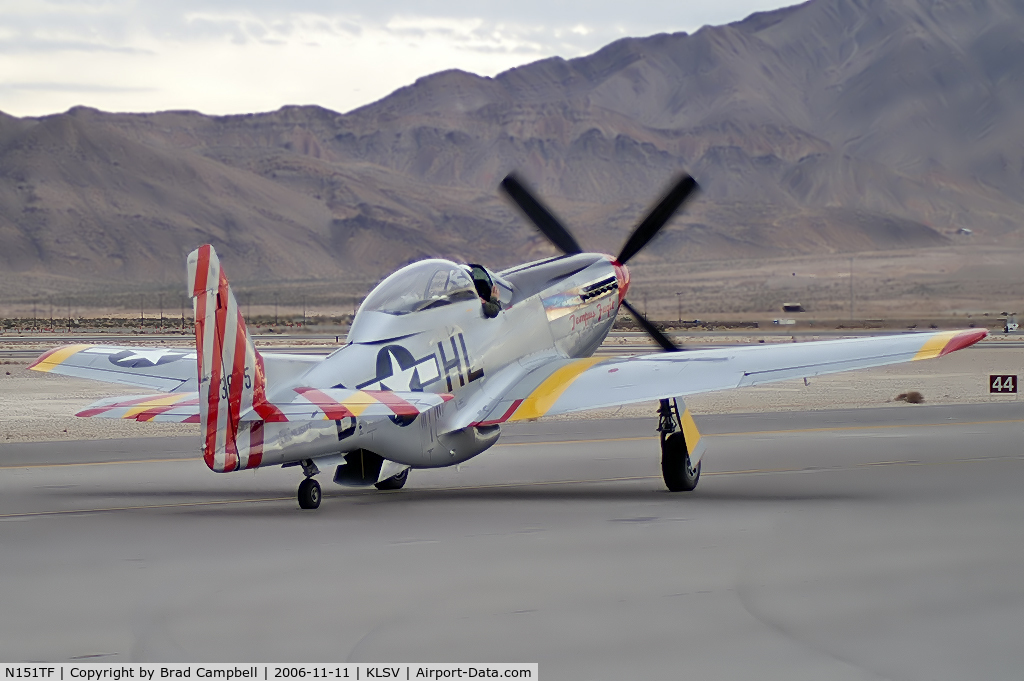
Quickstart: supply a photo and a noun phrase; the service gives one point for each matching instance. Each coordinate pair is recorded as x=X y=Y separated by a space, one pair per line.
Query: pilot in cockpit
x=486 y=289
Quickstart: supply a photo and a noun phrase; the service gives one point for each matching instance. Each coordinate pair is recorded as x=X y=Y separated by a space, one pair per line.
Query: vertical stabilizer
x=231 y=376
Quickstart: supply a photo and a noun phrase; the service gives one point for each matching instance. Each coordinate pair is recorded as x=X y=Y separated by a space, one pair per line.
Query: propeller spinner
x=556 y=232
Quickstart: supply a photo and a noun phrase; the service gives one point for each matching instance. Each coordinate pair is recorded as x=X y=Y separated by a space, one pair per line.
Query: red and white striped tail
x=231 y=376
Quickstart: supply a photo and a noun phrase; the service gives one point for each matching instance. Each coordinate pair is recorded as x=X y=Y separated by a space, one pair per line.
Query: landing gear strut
x=676 y=469
x=309 y=489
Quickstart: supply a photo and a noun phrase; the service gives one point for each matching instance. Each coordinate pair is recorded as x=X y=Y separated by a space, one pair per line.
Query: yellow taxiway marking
x=545 y=443
x=576 y=442
x=868 y=464
x=96 y=463
x=823 y=469
x=507 y=485
x=830 y=429
x=79 y=511
x=833 y=429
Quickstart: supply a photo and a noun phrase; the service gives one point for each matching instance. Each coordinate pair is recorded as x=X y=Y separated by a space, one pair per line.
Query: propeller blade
x=547 y=223
x=651 y=330
x=661 y=214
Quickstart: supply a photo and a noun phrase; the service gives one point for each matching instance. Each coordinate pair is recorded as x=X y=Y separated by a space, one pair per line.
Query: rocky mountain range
x=831 y=126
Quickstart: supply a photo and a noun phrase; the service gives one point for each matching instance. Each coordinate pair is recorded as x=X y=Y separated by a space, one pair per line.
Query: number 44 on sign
x=1002 y=383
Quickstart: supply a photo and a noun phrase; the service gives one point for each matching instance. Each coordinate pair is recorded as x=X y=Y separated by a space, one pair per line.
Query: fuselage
x=423 y=329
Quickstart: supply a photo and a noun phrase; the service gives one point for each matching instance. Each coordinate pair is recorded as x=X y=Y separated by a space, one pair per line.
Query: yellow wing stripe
x=52 y=360
x=547 y=393
x=933 y=346
x=155 y=402
x=359 y=403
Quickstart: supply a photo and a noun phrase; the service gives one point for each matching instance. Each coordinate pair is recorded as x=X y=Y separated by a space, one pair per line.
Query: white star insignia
x=400 y=379
x=150 y=355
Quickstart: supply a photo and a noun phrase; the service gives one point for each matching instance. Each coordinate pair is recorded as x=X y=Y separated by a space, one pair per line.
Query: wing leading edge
x=164 y=369
x=171 y=370
x=563 y=386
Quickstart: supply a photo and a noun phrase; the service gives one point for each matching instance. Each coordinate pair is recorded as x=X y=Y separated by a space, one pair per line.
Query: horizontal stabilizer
x=173 y=408
x=332 y=404
x=309 y=404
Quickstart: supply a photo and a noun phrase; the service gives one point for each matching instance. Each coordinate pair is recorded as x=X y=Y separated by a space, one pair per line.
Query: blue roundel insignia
x=398 y=370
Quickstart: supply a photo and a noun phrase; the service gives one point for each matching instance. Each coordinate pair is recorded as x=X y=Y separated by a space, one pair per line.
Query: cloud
x=71 y=87
x=234 y=56
x=33 y=44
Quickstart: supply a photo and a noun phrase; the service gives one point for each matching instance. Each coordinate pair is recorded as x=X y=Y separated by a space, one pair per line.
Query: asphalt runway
x=863 y=544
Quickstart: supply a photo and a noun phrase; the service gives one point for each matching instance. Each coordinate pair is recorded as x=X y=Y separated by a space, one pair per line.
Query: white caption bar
x=108 y=671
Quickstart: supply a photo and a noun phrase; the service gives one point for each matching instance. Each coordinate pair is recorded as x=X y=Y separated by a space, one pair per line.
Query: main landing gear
x=394 y=482
x=360 y=470
x=309 y=489
x=679 y=473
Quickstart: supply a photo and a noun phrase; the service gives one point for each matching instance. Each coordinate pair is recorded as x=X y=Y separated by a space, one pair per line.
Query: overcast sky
x=235 y=56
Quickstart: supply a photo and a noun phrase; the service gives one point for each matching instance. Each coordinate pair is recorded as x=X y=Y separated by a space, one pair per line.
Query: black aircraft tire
x=675 y=465
x=394 y=482
x=309 y=494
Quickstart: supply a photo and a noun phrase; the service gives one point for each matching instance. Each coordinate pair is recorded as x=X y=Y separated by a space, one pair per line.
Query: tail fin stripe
x=205 y=332
x=214 y=341
x=214 y=427
x=227 y=330
x=267 y=411
x=202 y=271
x=255 y=445
x=235 y=358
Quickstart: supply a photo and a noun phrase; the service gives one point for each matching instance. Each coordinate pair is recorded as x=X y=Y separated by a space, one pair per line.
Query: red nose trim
x=622 y=274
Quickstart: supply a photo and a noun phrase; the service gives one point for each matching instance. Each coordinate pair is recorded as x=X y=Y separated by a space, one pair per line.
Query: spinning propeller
x=557 y=234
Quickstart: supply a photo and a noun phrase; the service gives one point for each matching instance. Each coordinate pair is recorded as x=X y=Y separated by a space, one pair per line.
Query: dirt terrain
x=960 y=284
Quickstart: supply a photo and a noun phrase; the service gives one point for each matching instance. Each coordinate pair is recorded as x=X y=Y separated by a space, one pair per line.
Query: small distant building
x=792 y=307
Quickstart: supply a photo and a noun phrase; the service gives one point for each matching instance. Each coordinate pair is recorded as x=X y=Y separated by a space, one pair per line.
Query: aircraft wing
x=562 y=386
x=170 y=370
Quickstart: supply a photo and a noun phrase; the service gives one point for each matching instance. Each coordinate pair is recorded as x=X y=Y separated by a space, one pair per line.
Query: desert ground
x=949 y=284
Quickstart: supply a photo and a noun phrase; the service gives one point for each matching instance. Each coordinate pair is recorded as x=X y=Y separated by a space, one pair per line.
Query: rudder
x=231 y=376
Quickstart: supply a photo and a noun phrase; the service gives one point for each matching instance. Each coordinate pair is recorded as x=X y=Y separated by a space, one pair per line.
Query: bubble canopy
x=421 y=286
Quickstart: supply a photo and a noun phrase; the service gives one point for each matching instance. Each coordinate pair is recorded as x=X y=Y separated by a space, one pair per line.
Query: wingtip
x=35 y=366
x=963 y=339
x=50 y=359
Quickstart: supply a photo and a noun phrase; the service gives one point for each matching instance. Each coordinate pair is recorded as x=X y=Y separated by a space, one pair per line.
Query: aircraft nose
x=622 y=274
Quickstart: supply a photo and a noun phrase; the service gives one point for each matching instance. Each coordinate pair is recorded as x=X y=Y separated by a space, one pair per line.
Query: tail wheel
x=394 y=482
x=309 y=494
x=676 y=469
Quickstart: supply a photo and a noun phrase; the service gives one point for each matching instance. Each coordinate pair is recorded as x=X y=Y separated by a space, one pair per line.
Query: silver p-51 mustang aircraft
x=439 y=355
